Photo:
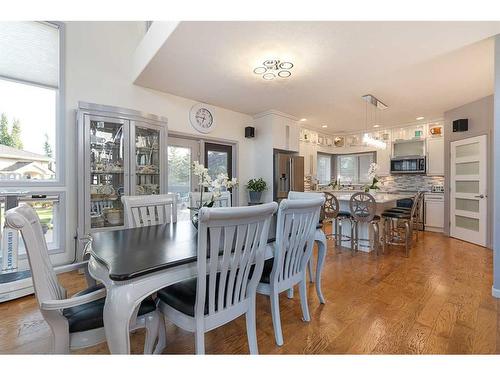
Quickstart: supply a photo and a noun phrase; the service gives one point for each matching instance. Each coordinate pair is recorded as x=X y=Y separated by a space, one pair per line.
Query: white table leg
x=118 y=310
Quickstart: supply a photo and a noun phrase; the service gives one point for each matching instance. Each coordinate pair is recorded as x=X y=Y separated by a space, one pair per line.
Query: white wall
x=99 y=70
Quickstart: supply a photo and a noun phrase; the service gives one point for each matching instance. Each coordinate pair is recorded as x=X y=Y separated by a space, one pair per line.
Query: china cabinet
x=120 y=152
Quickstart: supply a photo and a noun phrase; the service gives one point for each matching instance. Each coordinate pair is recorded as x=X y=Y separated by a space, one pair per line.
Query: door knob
x=479 y=196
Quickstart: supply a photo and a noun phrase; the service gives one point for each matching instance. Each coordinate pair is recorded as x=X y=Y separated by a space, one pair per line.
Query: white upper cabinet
x=435 y=156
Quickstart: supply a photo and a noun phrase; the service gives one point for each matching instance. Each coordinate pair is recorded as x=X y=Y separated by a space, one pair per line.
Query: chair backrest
x=310 y=194
x=362 y=207
x=146 y=210
x=25 y=219
x=224 y=200
x=295 y=229
x=235 y=240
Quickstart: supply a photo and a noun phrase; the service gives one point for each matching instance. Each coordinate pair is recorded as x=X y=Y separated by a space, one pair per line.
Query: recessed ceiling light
x=376 y=126
x=303 y=119
x=420 y=118
x=324 y=126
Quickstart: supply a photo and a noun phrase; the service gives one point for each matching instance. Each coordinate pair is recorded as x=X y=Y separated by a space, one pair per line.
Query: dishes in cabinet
x=113 y=216
x=147 y=169
x=147 y=189
x=338 y=142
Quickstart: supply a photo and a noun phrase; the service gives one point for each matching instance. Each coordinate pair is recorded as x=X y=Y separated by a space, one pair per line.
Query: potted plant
x=222 y=182
x=372 y=175
x=255 y=187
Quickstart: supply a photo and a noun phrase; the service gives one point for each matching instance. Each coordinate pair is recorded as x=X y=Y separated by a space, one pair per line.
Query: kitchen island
x=383 y=202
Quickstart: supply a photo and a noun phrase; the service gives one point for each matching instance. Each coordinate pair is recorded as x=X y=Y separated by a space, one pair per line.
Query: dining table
x=135 y=263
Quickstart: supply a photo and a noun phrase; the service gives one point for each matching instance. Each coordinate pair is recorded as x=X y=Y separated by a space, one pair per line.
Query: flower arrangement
x=214 y=186
x=372 y=175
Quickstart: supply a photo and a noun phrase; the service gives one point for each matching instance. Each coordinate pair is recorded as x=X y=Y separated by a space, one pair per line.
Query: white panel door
x=468 y=190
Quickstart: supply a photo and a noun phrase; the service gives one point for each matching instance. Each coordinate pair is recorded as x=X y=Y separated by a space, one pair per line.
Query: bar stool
x=399 y=224
x=417 y=200
x=333 y=214
x=363 y=208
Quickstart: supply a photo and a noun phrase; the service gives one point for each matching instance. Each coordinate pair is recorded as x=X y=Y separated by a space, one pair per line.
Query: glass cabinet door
x=107 y=170
x=147 y=160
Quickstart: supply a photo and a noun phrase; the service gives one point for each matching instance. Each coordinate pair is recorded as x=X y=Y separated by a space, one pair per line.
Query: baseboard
x=495 y=292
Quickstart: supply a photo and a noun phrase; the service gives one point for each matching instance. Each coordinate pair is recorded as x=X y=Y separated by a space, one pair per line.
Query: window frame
x=60 y=180
x=357 y=154
x=332 y=169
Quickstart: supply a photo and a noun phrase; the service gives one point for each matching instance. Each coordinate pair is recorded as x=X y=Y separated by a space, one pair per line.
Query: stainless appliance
x=408 y=165
x=120 y=152
x=288 y=174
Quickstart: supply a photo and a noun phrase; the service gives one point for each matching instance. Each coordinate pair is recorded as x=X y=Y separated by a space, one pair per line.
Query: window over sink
x=353 y=168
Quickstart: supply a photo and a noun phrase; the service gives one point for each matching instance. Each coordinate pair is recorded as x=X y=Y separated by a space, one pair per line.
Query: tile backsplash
x=416 y=182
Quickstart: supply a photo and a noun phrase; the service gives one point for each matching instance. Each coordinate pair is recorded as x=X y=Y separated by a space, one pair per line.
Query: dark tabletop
x=130 y=253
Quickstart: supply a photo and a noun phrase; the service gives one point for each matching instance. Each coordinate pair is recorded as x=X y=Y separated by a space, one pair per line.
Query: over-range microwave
x=408 y=164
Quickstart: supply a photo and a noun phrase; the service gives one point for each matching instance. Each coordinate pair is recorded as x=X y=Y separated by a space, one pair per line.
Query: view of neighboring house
x=18 y=164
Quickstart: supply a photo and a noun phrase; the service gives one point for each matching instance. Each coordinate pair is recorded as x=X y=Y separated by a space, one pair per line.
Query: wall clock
x=202 y=118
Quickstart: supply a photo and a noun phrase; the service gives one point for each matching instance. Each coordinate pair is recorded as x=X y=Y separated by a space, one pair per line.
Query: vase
x=255 y=196
x=194 y=220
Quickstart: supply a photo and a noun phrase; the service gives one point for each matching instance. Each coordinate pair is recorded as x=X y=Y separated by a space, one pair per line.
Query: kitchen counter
x=381 y=198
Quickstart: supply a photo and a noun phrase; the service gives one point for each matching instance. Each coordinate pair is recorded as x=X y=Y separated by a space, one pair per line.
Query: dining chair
x=295 y=230
x=319 y=238
x=224 y=200
x=363 y=210
x=146 y=210
x=76 y=322
x=234 y=239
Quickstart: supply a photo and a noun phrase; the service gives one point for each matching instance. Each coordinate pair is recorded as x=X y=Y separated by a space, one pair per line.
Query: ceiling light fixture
x=420 y=118
x=324 y=126
x=271 y=69
x=303 y=119
x=368 y=139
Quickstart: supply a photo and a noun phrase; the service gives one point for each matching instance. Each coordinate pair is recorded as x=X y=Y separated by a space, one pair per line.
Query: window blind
x=30 y=52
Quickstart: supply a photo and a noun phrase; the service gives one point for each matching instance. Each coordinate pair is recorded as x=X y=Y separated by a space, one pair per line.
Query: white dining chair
x=234 y=240
x=224 y=200
x=297 y=220
x=146 y=210
x=319 y=238
x=76 y=322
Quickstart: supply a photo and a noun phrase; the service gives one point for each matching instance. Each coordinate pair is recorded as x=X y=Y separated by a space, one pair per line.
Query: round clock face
x=202 y=118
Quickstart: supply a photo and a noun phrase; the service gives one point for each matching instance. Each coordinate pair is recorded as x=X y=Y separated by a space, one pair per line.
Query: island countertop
x=381 y=198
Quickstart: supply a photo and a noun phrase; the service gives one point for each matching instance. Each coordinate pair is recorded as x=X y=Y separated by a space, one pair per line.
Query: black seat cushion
x=319 y=225
x=344 y=214
x=89 y=315
x=266 y=271
x=399 y=209
x=396 y=215
x=375 y=217
x=182 y=296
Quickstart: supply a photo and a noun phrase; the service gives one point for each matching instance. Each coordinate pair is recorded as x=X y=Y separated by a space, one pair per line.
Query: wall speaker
x=249 y=132
x=461 y=125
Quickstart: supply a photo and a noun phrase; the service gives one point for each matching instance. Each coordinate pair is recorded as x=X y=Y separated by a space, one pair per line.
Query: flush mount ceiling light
x=271 y=69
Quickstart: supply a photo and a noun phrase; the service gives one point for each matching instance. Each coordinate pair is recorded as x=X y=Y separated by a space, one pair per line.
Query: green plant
x=256 y=184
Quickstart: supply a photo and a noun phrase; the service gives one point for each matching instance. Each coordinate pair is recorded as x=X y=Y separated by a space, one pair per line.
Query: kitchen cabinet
x=309 y=152
x=285 y=133
x=435 y=156
x=434 y=212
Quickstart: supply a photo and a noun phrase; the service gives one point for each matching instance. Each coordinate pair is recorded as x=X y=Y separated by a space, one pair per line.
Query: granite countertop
x=379 y=197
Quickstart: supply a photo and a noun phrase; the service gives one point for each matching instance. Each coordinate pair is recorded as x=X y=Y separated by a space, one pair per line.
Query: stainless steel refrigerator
x=288 y=174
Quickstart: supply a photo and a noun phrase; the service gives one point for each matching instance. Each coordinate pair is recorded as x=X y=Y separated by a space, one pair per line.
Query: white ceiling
x=416 y=68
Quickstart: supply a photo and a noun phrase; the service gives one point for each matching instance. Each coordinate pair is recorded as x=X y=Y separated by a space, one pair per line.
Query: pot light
x=272 y=68
x=376 y=126
x=419 y=118
x=324 y=126
x=303 y=119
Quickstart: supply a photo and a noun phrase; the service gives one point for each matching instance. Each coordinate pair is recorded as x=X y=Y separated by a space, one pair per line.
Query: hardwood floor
x=436 y=301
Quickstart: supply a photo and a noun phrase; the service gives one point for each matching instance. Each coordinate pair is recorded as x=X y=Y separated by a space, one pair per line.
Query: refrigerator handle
x=292 y=177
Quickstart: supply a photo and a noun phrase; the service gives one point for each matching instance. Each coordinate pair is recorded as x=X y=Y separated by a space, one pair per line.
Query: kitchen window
x=353 y=168
x=324 y=168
